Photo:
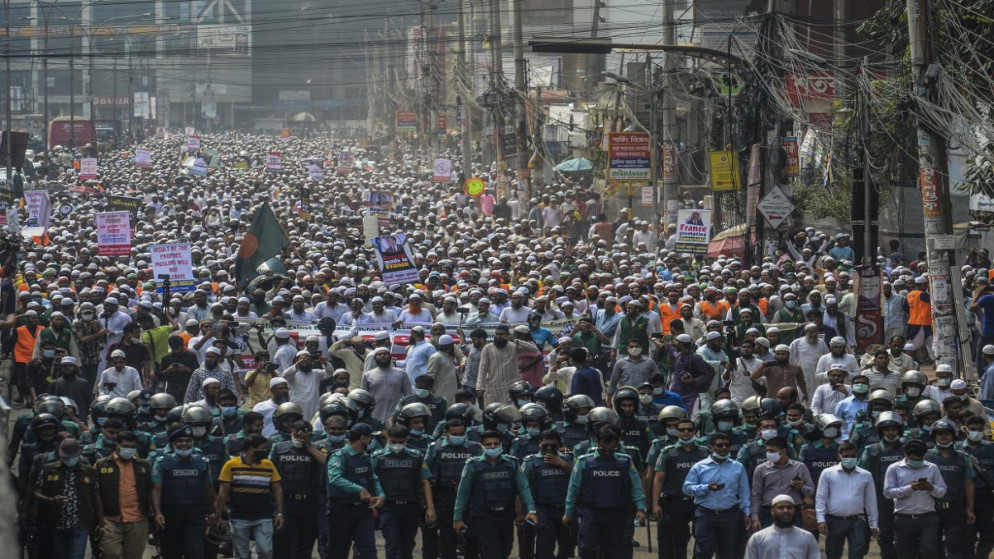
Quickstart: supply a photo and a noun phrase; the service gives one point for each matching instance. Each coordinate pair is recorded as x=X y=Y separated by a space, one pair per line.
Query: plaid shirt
x=89 y=352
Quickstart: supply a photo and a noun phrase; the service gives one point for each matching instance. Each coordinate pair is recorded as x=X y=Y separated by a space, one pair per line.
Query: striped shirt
x=250 y=497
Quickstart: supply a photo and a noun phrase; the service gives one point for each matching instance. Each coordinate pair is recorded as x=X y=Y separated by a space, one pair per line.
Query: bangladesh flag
x=264 y=240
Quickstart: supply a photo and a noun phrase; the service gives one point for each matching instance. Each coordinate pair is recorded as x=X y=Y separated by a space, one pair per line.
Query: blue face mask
x=70 y=462
x=421 y=392
x=791 y=304
x=457 y=440
x=229 y=411
x=849 y=463
x=502 y=428
x=417 y=432
x=127 y=453
x=725 y=426
x=533 y=432
x=915 y=464
x=493 y=452
x=719 y=456
x=944 y=445
x=336 y=438
x=183 y=452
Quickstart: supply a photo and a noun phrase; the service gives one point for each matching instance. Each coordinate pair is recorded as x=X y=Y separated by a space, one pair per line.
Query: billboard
x=225 y=40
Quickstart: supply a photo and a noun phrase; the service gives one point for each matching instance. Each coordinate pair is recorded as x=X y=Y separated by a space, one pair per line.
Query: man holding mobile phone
x=720 y=490
x=914 y=485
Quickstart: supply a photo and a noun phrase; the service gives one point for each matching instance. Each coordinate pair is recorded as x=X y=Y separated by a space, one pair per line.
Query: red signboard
x=928 y=182
x=407 y=120
x=819 y=85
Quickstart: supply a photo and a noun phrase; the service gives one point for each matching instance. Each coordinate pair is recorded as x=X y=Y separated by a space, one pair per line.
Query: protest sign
x=443 y=170
x=315 y=170
x=124 y=203
x=274 y=161
x=174 y=260
x=193 y=143
x=39 y=213
x=693 y=231
x=113 y=233
x=87 y=168
x=396 y=260
x=143 y=158
x=346 y=163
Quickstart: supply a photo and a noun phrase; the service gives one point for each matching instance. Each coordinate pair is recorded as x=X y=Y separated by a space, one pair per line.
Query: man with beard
x=352 y=351
x=471 y=363
x=177 y=367
x=449 y=315
x=442 y=368
x=304 y=381
x=387 y=384
x=780 y=373
x=499 y=365
x=90 y=335
x=632 y=326
x=280 y=390
x=782 y=539
x=119 y=379
x=211 y=368
x=517 y=312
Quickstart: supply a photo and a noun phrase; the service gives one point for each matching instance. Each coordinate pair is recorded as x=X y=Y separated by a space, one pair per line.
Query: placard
x=193 y=143
x=396 y=260
x=143 y=158
x=443 y=170
x=693 y=231
x=274 y=161
x=174 y=260
x=87 y=168
x=724 y=170
x=346 y=163
x=113 y=233
x=125 y=203
x=315 y=170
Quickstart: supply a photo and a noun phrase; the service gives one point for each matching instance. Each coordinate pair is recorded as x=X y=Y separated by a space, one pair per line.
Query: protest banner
x=381 y=200
x=87 y=168
x=274 y=161
x=113 y=233
x=315 y=170
x=124 y=203
x=869 y=307
x=346 y=163
x=143 y=158
x=193 y=143
x=443 y=170
x=693 y=231
x=396 y=260
x=39 y=213
x=199 y=167
x=383 y=216
x=174 y=260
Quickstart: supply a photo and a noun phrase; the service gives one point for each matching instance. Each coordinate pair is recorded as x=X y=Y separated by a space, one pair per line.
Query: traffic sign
x=474 y=186
x=775 y=207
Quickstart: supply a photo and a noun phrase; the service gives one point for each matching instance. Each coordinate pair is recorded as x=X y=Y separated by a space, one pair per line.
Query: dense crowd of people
x=552 y=380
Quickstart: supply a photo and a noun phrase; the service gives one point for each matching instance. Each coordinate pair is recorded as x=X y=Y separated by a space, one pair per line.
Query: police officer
x=926 y=412
x=980 y=535
x=211 y=447
x=465 y=412
x=649 y=411
x=864 y=431
x=365 y=404
x=416 y=417
x=124 y=410
x=521 y=393
x=229 y=421
x=726 y=419
x=445 y=460
x=501 y=418
x=485 y=498
x=634 y=431
x=252 y=424
x=354 y=491
x=44 y=428
x=301 y=467
x=286 y=414
x=669 y=416
x=604 y=490
x=823 y=453
x=405 y=482
x=876 y=458
x=955 y=508
x=182 y=496
x=674 y=509
x=548 y=472
x=913 y=385
x=550 y=398
x=574 y=429
x=159 y=406
x=435 y=404
x=534 y=419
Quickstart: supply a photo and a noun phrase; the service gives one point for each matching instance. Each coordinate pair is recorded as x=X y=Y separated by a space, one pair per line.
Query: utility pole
x=933 y=181
x=593 y=70
x=670 y=195
x=521 y=95
x=431 y=43
x=496 y=79
x=467 y=120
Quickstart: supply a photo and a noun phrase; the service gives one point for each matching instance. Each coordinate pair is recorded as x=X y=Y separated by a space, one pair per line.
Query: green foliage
x=816 y=202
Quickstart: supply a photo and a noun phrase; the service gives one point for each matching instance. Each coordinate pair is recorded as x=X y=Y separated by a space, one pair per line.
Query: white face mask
x=913 y=391
x=975 y=436
x=646 y=399
x=772 y=456
x=635 y=351
x=768 y=434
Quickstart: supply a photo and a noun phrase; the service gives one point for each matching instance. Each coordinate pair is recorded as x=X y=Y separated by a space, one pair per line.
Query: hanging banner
x=792 y=159
x=693 y=231
x=869 y=307
x=647 y=197
x=669 y=163
x=629 y=154
x=443 y=170
x=39 y=213
x=724 y=170
x=213 y=158
x=113 y=233
x=87 y=168
x=346 y=163
x=396 y=260
x=143 y=158
x=174 y=260
x=274 y=161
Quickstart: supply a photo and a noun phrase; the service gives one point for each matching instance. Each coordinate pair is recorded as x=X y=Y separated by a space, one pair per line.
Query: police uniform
x=523 y=447
x=981 y=533
x=635 y=433
x=951 y=507
x=875 y=459
x=350 y=520
x=221 y=427
x=549 y=484
x=213 y=450
x=183 y=483
x=673 y=528
x=302 y=479
x=400 y=476
x=818 y=457
x=572 y=434
x=864 y=433
x=657 y=446
x=650 y=415
x=604 y=493
x=445 y=461
x=419 y=443
x=435 y=404
x=485 y=502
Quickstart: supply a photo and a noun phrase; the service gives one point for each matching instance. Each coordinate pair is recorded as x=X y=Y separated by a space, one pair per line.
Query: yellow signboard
x=724 y=170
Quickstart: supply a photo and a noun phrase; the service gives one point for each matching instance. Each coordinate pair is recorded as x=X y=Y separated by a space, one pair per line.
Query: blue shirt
x=587 y=381
x=731 y=473
x=847 y=410
x=987 y=389
x=606 y=324
x=542 y=336
x=416 y=363
x=669 y=398
x=986 y=304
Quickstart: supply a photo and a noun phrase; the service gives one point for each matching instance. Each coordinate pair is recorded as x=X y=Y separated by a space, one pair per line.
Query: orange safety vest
x=25 y=347
x=666 y=315
x=714 y=311
x=919 y=312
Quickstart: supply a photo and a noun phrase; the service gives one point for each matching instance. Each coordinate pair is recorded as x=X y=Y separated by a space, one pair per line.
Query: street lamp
x=653 y=150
